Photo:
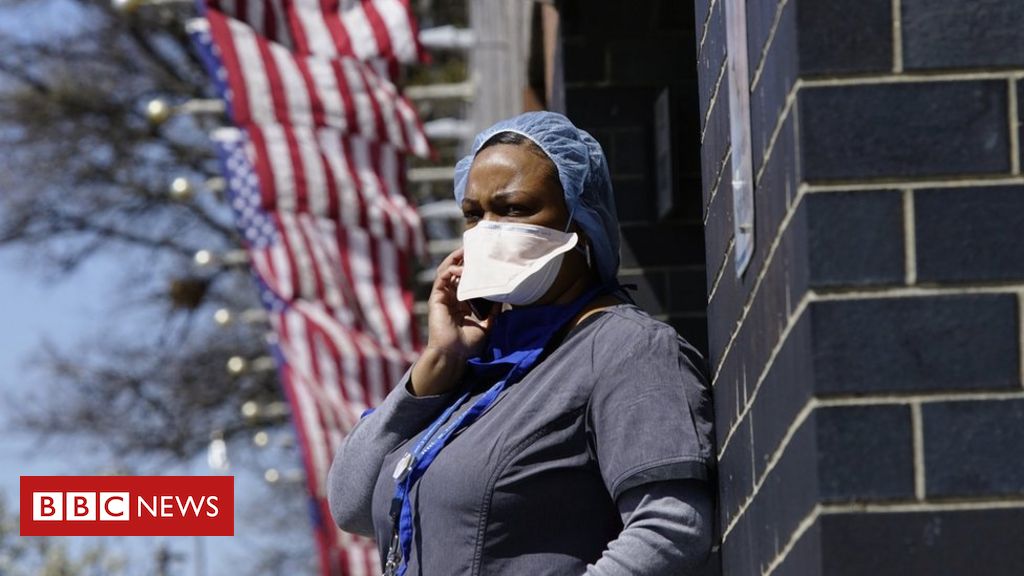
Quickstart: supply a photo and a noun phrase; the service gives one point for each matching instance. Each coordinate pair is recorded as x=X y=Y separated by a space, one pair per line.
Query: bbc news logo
x=127 y=505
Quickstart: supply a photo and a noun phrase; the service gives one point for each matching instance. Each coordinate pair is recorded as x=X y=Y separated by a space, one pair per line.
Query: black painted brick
x=739 y=550
x=661 y=245
x=768 y=96
x=943 y=34
x=693 y=328
x=700 y=13
x=735 y=473
x=651 y=289
x=652 y=59
x=794 y=256
x=865 y=453
x=724 y=309
x=1020 y=114
x=711 y=59
x=585 y=62
x=634 y=199
x=970 y=234
x=719 y=230
x=686 y=290
x=785 y=391
x=673 y=15
x=607 y=18
x=904 y=130
x=764 y=321
x=728 y=394
x=845 y=37
x=771 y=193
x=714 y=147
x=788 y=493
x=633 y=152
x=960 y=342
x=936 y=542
x=610 y=106
x=804 y=558
x=974 y=448
x=760 y=18
x=855 y=238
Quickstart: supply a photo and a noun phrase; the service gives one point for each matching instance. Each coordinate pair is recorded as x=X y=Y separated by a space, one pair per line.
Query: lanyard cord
x=414 y=464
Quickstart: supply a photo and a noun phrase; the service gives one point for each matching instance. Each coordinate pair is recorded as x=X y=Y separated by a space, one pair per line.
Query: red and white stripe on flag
x=367 y=30
x=340 y=553
x=340 y=373
x=268 y=84
x=331 y=375
x=349 y=179
x=359 y=279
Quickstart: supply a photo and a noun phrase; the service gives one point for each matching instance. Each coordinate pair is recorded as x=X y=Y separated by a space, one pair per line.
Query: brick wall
x=618 y=57
x=868 y=366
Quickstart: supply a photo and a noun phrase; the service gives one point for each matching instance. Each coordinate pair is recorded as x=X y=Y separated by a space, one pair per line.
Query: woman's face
x=512 y=183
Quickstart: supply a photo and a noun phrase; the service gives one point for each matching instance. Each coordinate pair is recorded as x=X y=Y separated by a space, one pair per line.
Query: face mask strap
x=585 y=249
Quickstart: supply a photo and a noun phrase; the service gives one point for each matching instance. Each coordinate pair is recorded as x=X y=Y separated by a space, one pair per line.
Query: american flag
x=364 y=29
x=264 y=83
x=315 y=178
x=359 y=280
x=336 y=352
x=349 y=179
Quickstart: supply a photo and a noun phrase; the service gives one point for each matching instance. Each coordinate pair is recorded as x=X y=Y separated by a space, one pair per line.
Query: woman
x=548 y=427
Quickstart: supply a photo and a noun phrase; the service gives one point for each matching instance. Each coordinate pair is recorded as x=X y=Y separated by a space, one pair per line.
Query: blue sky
x=65 y=312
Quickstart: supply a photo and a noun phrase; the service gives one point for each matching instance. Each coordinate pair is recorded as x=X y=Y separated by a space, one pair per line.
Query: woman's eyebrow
x=510 y=195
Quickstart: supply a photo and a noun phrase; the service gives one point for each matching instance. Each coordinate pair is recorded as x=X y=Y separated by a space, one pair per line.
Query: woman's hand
x=454 y=333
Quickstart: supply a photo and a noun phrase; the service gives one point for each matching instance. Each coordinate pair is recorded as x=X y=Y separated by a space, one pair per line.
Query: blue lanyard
x=413 y=465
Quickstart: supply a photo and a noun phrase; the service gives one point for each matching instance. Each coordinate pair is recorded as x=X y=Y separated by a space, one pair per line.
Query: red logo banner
x=127 y=505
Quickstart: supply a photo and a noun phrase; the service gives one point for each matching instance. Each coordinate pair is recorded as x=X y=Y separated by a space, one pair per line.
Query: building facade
x=866 y=363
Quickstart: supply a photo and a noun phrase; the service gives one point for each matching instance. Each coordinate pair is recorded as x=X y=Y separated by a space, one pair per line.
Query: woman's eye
x=515 y=210
x=470 y=216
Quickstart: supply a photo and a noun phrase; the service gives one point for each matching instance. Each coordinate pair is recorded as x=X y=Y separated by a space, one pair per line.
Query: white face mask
x=511 y=263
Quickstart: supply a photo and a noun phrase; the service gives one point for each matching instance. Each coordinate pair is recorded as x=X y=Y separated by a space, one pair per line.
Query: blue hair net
x=582 y=170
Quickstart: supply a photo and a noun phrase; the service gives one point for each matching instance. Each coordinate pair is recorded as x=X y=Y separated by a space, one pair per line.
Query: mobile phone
x=481 y=307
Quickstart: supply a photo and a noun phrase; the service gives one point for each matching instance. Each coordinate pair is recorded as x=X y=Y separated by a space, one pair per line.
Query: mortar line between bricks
x=918 y=290
x=884 y=399
x=783 y=116
x=1020 y=336
x=713 y=101
x=812 y=296
x=669 y=268
x=769 y=257
x=919 y=184
x=804 y=413
x=906 y=78
x=909 y=239
x=1001 y=503
x=917 y=428
x=704 y=28
x=828 y=509
x=721 y=269
x=783 y=336
x=801 y=528
x=815 y=403
x=720 y=173
x=763 y=56
x=797 y=158
x=1014 y=129
x=897 y=37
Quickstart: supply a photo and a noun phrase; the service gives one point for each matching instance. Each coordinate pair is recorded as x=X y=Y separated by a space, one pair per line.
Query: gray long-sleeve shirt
x=594 y=463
